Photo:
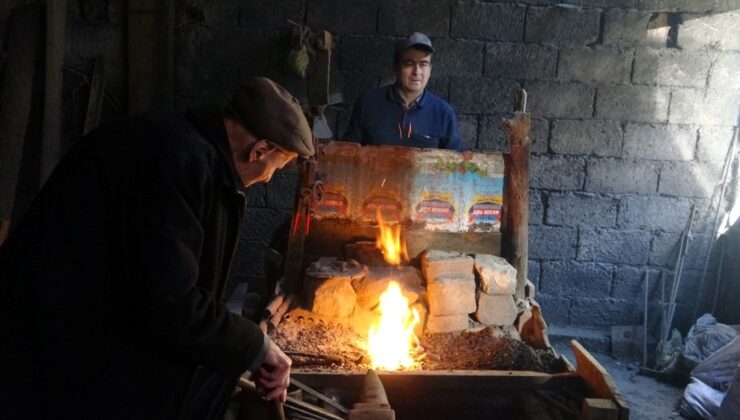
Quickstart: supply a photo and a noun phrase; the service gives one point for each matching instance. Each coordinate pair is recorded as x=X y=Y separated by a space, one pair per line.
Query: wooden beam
x=15 y=100
x=598 y=380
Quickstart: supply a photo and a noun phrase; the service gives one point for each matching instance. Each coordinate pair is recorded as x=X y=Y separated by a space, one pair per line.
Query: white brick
x=496 y=309
x=438 y=263
x=452 y=294
x=497 y=276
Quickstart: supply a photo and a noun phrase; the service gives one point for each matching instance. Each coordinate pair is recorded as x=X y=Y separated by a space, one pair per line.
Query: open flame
x=391 y=341
x=389 y=242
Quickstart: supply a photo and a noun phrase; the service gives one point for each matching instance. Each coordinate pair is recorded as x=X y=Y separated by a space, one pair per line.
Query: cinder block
x=689 y=179
x=632 y=103
x=581 y=209
x=352 y=85
x=552 y=243
x=614 y=246
x=281 y=191
x=497 y=276
x=262 y=222
x=714 y=143
x=591 y=65
x=402 y=17
x=654 y=213
x=536 y=208
x=452 y=294
x=576 y=137
x=664 y=249
x=724 y=72
x=560 y=100
x=520 y=61
x=354 y=51
x=457 y=57
x=436 y=263
x=628 y=27
x=628 y=283
x=337 y=16
x=447 y=323
x=562 y=26
x=469 y=131
x=486 y=21
x=605 y=313
x=659 y=142
x=496 y=309
x=555 y=309
x=575 y=279
x=440 y=86
x=671 y=67
x=621 y=176
x=713 y=107
x=493 y=136
x=556 y=172
x=262 y=13
x=700 y=31
x=533 y=268
x=482 y=95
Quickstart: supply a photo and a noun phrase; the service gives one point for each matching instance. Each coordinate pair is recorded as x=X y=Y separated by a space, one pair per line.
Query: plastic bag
x=700 y=400
x=705 y=337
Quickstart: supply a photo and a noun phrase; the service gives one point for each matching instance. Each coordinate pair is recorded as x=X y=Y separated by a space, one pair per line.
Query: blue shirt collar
x=393 y=96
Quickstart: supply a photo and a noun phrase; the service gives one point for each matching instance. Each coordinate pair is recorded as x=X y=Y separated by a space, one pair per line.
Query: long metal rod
x=718 y=282
x=646 y=280
x=685 y=239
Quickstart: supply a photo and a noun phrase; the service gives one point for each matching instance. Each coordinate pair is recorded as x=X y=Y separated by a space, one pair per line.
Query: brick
x=536 y=208
x=555 y=309
x=552 y=243
x=401 y=18
x=632 y=103
x=614 y=246
x=352 y=84
x=629 y=284
x=724 y=73
x=473 y=95
x=439 y=86
x=496 y=275
x=621 y=176
x=337 y=16
x=713 y=107
x=687 y=5
x=605 y=313
x=560 y=100
x=671 y=67
x=561 y=26
x=659 y=142
x=520 y=61
x=653 y=213
x=355 y=50
x=539 y=134
x=664 y=249
x=457 y=58
x=281 y=191
x=451 y=294
x=447 y=323
x=533 y=272
x=574 y=209
x=556 y=172
x=700 y=31
x=575 y=279
x=496 y=309
x=260 y=223
x=264 y=14
x=490 y=22
x=331 y=297
x=590 y=65
x=493 y=136
x=256 y=195
x=630 y=27
x=469 y=131
x=714 y=143
x=689 y=179
x=438 y=263
x=575 y=137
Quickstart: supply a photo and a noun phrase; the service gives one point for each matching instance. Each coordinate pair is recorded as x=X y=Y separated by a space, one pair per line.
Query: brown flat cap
x=270 y=112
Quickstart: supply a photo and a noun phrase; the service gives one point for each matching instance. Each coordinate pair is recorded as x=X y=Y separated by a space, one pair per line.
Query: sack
x=705 y=337
x=700 y=400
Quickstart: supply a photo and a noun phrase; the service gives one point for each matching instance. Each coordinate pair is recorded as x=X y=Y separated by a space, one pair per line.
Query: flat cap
x=270 y=112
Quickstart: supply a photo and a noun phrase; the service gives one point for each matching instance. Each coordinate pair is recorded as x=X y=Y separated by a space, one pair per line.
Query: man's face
x=266 y=164
x=413 y=70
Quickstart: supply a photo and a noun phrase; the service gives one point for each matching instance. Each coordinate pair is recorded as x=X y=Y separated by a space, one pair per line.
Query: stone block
x=632 y=103
x=552 y=243
x=629 y=284
x=457 y=58
x=536 y=208
x=627 y=27
x=570 y=279
x=370 y=287
x=436 y=263
x=621 y=176
x=653 y=213
x=337 y=16
x=714 y=143
x=355 y=50
x=576 y=137
x=482 y=95
x=281 y=191
x=447 y=323
x=402 y=17
x=574 y=209
x=469 y=131
x=589 y=65
x=700 y=31
x=724 y=72
x=451 y=294
x=671 y=67
x=713 y=107
x=689 y=179
x=497 y=276
x=605 y=313
x=556 y=172
x=331 y=297
x=496 y=309
x=614 y=246
x=264 y=14
x=659 y=142
x=560 y=100
x=555 y=309
x=486 y=21
x=664 y=249
x=520 y=61
x=562 y=26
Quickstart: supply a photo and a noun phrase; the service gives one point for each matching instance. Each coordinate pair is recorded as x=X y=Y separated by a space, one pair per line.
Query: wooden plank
x=51 y=147
x=15 y=100
x=95 y=99
x=598 y=380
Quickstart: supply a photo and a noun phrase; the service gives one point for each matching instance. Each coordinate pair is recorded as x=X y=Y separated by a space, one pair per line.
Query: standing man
x=405 y=113
x=112 y=286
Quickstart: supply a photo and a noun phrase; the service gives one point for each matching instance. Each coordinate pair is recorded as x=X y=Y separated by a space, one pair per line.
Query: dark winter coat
x=111 y=286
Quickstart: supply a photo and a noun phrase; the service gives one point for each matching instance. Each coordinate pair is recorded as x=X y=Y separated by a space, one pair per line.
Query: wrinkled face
x=264 y=164
x=413 y=70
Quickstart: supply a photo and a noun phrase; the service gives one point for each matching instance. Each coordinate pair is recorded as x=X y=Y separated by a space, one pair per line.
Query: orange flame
x=389 y=242
x=391 y=340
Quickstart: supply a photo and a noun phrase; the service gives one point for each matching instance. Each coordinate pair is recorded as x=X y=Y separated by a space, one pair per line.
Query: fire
x=391 y=341
x=389 y=242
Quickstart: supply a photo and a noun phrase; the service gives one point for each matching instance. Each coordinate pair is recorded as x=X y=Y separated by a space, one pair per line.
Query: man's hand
x=273 y=376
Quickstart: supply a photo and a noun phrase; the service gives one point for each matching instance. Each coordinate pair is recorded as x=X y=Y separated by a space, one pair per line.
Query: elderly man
x=405 y=113
x=113 y=283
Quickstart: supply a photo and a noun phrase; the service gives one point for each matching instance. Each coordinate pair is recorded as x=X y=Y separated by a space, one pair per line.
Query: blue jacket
x=379 y=118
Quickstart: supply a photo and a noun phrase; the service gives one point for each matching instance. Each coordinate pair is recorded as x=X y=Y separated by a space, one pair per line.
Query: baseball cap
x=416 y=39
x=270 y=112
